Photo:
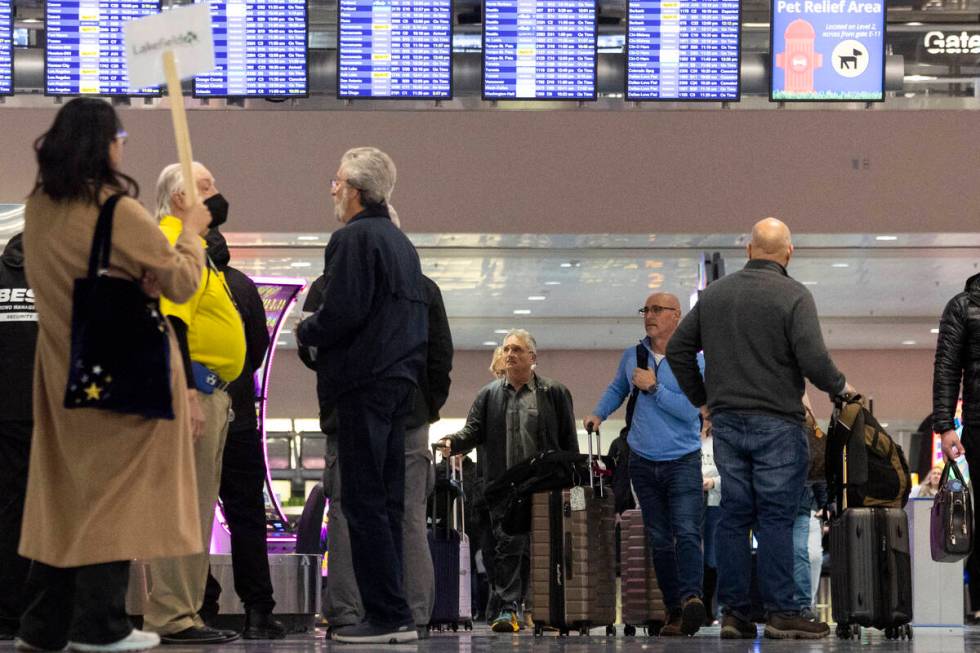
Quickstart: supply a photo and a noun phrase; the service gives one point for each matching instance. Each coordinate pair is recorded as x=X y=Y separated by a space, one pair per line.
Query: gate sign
x=827 y=50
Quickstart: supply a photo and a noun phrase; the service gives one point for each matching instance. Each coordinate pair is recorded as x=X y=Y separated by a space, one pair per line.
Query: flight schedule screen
x=85 y=52
x=539 y=49
x=682 y=50
x=259 y=49
x=394 y=49
x=6 y=47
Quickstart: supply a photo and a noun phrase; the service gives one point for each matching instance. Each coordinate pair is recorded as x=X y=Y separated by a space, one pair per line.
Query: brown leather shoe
x=734 y=628
x=673 y=626
x=794 y=626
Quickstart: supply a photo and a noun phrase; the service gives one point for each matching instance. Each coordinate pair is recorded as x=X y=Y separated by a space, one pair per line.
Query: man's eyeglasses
x=656 y=310
x=122 y=136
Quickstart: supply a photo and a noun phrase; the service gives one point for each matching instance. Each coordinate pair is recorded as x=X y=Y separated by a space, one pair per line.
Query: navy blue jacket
x=372 y=323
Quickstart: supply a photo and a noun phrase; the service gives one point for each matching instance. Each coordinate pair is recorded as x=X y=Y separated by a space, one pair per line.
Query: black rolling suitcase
x=450 y=549
x=871 y=570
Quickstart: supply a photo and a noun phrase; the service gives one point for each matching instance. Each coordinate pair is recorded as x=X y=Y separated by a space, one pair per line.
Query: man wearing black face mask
x=243 y=467
x=213 y=345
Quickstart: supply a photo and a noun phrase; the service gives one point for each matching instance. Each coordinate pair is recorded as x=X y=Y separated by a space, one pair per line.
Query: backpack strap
x=642 y=361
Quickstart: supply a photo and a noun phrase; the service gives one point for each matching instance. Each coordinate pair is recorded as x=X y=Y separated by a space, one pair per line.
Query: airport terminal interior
x=558 y=162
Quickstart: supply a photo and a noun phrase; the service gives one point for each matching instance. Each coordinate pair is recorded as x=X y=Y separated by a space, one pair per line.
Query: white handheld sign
x=154 y=46
x=185 y=31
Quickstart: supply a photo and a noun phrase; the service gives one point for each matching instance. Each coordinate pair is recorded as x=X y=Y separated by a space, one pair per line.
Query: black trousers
x=241 y=492
x=15 y=453
x=82 y=604
x=371 y=449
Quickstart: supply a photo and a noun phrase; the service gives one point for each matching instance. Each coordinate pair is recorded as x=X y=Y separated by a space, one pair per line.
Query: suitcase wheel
x=629 y=631
x=538 y=630
x=455 y=627
x=843 y=631
x=908 y=631
x=610 y=631
x=563 y=632
x=468 y=625
x=653 y=629
x=891 y=632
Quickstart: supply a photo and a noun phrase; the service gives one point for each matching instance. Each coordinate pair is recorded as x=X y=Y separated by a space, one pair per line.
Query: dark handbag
x=817 y=441
x=951 y=523
x=120 y=352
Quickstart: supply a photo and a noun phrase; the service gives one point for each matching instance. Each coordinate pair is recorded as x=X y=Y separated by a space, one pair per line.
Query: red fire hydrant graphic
x=798 y=60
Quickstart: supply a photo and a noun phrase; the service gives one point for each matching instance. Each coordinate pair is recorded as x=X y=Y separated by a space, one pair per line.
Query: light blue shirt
x=666 y=426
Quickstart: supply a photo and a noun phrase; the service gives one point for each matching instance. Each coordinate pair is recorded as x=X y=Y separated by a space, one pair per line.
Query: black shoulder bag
x=120 y=352
x=622 y=488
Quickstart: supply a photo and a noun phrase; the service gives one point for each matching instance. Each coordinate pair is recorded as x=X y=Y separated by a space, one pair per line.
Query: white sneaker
x=138 y=640
x=27 y=647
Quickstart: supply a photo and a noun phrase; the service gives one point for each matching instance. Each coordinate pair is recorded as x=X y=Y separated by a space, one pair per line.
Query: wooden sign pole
x=181 y=133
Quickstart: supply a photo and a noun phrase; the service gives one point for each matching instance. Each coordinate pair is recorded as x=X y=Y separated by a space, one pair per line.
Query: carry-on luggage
x=871 y=570
x=311 y=535
x=450 y=549
x=642 y=601
x=573 y=555
x=951 y=522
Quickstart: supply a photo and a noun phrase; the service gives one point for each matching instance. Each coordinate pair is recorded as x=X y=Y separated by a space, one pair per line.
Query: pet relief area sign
x=828 y=50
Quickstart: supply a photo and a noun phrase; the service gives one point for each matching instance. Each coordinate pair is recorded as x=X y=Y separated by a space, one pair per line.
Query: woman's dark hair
x=73 y=156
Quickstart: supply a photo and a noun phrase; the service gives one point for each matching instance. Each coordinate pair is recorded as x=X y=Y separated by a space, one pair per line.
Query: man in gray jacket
x=761 y=337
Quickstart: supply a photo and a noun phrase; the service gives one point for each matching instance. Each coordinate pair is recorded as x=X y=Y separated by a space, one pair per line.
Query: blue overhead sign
x=828 y=50
x=6 y=47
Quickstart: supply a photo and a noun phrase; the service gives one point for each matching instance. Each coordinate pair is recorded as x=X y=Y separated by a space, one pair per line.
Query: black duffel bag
x=509 y=496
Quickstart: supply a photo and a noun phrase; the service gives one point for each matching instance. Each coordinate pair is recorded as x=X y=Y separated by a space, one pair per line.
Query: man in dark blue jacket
x=370 y=333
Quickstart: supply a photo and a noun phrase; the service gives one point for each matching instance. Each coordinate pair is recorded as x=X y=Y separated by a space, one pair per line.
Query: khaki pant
x=177 y=584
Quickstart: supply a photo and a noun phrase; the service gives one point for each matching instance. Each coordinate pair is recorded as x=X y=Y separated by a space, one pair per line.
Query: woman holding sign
x=104 y=487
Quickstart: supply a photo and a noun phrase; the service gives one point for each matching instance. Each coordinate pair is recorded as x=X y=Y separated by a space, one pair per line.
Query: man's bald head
x=772 y=241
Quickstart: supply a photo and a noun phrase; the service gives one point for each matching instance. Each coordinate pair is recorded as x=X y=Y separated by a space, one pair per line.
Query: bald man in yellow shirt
x=212 y=337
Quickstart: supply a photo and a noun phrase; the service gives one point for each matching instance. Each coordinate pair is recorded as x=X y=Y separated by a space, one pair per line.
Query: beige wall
x=899 y=380
x=570 y=171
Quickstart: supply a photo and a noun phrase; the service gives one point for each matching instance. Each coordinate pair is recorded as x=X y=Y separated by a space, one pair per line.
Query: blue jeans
x=672 y=502
x=801 y=551
x=763 y=461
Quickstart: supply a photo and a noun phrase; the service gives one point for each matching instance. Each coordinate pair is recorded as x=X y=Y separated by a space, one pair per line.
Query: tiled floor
x=926 y=640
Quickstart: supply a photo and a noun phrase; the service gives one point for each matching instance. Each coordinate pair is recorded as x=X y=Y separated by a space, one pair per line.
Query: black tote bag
x=120 y=352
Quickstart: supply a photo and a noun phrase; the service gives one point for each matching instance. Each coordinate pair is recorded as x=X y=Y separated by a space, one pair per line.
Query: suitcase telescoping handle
x=594 y=457
x=455 y=520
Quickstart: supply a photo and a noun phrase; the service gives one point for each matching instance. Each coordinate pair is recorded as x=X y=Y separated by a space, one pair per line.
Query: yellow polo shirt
x=215 y=333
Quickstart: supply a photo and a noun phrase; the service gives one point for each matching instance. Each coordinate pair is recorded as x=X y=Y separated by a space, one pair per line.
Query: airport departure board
x=85 y=52
x=259 y=50
x=539 y=49
x=6 y=47
x=395 y=49
x=682 y=50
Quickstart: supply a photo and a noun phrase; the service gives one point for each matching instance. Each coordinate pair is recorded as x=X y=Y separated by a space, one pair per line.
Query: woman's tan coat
x=104 y=486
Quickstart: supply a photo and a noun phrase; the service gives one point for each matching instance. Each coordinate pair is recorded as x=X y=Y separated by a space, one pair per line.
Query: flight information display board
x=6 y=47
x=85 y=52
x=827 y=50
x=539 y=49
x=259 y=50
x=683 y=50
x=395 y=49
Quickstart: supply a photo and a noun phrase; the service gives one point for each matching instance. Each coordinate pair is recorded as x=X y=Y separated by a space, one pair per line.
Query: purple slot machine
x=279 y=296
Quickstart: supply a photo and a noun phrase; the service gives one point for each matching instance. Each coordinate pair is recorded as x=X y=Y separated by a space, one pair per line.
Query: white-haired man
x=370 y=333
x=212 y=344
x=512 y=419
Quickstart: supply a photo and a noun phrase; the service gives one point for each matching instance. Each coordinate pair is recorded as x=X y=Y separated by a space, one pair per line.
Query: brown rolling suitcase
x=573 y=558
x=642 y=601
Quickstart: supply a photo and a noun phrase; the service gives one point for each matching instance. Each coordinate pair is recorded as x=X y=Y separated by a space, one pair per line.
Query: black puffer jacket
x=958 y=357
